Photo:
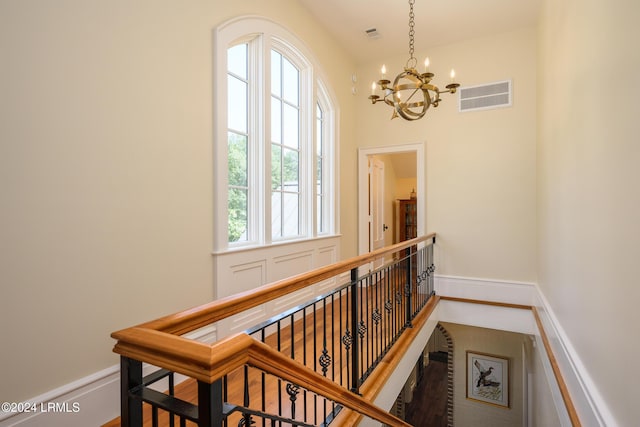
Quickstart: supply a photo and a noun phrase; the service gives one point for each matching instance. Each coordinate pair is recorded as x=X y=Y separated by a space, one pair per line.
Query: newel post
x=130 y=378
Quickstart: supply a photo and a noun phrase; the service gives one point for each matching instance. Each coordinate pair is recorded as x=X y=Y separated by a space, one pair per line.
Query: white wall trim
x=591 y=406
x=96 y=396
x=486 y=289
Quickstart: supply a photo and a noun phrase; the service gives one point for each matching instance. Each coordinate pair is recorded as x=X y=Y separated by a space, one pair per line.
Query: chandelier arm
x=405 y=108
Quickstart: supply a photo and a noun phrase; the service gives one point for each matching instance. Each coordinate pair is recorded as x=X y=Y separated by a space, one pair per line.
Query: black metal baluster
x=333 y=354
x=225 y=396
x=279 y=346
x=347 y=338
x=324 y=360
x=263 y=383
x=304 y=358
x=246 y=418
x=340 y=335
x=172 y=393
x=333 y=344
x=407 y=288
x=362 y=330
x=366 y=317
x=315 y=357
x=355 y=370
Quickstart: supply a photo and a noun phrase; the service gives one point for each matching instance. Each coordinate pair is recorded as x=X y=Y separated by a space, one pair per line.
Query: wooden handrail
x=269 y=360
x=562 y=385
x=210 y=363
x=159 y=342
x=197 y=317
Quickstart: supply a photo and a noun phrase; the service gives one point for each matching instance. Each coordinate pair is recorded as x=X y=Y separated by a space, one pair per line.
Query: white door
x=376 y=207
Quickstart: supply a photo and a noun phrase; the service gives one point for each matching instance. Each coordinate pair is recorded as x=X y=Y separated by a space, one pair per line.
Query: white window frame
x=263 y=35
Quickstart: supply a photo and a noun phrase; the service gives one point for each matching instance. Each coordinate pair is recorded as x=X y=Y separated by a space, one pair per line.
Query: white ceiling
x=437 y=23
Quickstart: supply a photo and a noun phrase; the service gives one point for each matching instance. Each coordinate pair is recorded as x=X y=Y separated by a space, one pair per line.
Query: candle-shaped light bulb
x=426 y=65
x=373 y=88
x=453 y=75
x=383 y=71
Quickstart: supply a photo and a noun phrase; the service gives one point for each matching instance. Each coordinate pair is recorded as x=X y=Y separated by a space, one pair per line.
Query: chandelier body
x=411 y=93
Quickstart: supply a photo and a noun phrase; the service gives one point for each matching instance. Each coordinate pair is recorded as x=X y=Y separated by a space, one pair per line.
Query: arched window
x=274 y=138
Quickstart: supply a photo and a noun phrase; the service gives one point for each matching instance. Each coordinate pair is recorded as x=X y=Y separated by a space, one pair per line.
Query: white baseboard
x=90 y=401
x=592 y=408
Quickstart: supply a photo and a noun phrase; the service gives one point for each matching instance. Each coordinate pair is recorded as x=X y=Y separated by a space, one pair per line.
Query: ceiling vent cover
x=372 y=33
x=485 y=97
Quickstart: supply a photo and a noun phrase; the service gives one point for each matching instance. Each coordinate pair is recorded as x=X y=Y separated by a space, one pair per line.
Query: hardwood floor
x=428 y=408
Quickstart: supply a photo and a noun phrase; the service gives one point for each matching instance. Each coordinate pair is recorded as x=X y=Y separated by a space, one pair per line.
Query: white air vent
x=485 y=97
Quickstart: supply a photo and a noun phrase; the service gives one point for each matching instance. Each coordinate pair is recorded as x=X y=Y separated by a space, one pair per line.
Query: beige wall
x=106 y=165
x=499 y=343
x=480 y=167
x=588 y=196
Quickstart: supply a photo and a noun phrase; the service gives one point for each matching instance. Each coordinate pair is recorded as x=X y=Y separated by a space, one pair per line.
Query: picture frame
x=488 y=378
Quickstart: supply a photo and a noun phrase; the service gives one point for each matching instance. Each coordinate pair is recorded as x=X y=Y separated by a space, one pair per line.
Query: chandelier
x=412 y=93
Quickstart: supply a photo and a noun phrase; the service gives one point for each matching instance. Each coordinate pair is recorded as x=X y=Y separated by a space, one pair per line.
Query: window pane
x=237 y=60
x=238 y=208
x=276 y=167
x=276 y=120
x=237 y=159
x=319 y=213
x=291 y=215
x=290 y=170
x=319 y=141
x=276 y=73
x=319 y=176
x=276 y=215
x=291 y=126
x=237 y=104
x=290 y=81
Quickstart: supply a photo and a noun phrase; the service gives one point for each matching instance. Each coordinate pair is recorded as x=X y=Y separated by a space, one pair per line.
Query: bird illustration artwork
x=485 y=379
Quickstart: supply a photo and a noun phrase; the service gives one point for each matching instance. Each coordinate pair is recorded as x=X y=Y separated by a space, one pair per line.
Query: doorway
x=408 y=163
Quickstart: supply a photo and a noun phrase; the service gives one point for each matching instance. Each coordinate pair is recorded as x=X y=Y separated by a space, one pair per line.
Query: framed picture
x=488 y=378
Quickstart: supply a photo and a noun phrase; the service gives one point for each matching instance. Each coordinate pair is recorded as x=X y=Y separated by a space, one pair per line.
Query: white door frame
x=363 y=188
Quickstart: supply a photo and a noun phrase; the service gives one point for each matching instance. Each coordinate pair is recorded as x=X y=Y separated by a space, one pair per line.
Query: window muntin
x=322 y=216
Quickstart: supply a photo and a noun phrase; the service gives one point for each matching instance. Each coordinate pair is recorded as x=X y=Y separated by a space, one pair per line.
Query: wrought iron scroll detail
x=325 y=361
x=376 y=316
x=347 y=339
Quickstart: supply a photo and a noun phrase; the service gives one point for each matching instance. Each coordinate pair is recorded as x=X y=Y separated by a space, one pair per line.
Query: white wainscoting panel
x=242 y=270
x=486 y=289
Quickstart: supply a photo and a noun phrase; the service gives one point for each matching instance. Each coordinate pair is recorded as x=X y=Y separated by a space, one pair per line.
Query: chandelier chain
x=412 y=60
